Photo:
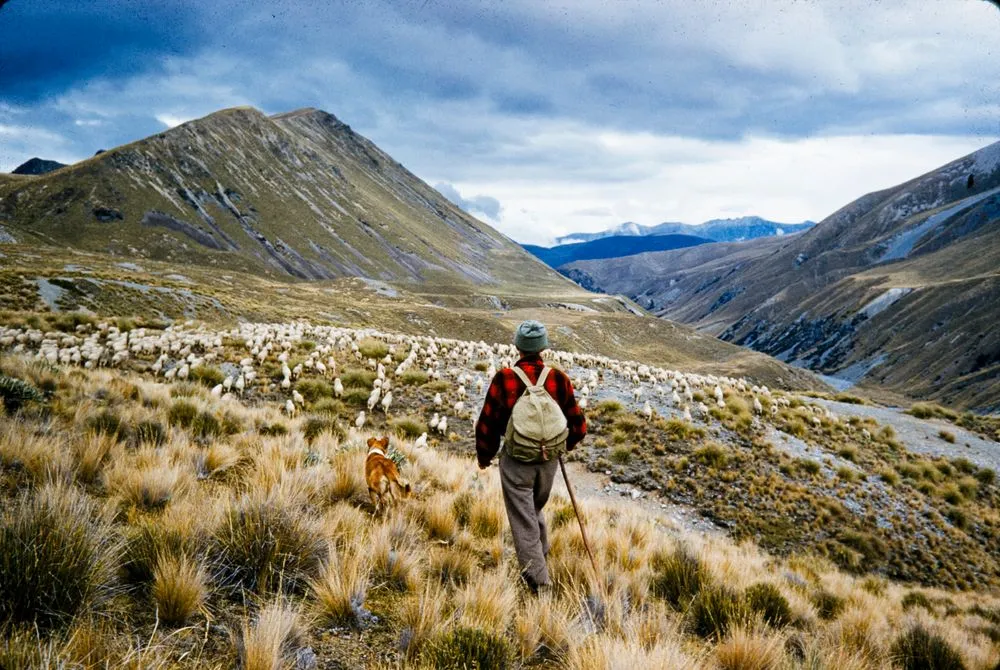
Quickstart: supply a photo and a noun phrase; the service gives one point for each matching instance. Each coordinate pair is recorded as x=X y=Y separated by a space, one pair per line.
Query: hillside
x=167 y=500
x=718 y=230
x=297 y=195
x=611 y=247
x=896 y=290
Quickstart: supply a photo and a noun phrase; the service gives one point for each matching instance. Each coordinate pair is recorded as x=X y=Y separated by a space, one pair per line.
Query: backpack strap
x=523 y=376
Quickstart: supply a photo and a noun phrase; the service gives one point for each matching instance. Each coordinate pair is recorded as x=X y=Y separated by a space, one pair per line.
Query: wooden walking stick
x=583 y=531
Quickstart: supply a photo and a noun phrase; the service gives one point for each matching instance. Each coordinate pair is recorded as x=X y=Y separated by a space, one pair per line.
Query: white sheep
x=387 y=402
x=360 y=421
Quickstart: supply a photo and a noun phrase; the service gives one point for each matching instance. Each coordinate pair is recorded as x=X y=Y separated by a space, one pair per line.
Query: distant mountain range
x=612 y=247
x=899 y=289
x=717 y=230
x=37 y=166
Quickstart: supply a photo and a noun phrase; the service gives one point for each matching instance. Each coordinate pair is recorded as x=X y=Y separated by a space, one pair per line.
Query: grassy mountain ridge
x=298 y=195
x=895 y=289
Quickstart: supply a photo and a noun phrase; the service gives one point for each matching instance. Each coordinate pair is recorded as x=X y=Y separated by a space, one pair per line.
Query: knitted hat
x=531 y=337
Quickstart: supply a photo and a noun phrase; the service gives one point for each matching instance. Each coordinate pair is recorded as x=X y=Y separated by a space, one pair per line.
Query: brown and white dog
x=384 y=483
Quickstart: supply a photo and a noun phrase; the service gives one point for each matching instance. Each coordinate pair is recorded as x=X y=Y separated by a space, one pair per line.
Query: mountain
x=611 y=247
x=897 y=290
x=296 y=195
x=37 y=166
x=718 y=230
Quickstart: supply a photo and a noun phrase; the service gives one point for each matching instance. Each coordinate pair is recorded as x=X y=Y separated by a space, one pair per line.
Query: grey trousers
x=526 y=488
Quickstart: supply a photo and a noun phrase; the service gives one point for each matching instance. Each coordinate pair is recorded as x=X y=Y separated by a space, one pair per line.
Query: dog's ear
x=372 y=442
x=385 y=442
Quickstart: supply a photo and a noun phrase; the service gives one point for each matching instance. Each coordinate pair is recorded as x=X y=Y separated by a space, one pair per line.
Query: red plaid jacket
x=504 y=391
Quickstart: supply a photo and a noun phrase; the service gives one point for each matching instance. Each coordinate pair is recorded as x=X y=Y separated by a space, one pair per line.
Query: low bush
x=413 y=378
x=767 y=600
x=263 y=545
x=314 y=389
x=467 y=648
x=828 y=605
x=57 y=558
x=182 y=413
x=715 y=610
x=315 y=426
x=713 y=455
x=106 y=422
x=678 y=577
x=919 y=649
x=207 y=375
x=408 y=426
x=151 y=433
x=372 y=348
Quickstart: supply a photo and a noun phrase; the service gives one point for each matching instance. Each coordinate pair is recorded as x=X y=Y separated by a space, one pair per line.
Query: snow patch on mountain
x=884 y=301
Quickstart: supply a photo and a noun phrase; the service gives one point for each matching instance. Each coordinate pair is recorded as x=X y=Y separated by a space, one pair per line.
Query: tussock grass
x=57 y=557
x=341 y=588
x=466 y=647
x=270 y=640
x=179 y=588
x=265 y=545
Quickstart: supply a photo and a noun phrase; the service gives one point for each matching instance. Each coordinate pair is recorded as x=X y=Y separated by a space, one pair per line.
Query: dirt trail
x=589 y=485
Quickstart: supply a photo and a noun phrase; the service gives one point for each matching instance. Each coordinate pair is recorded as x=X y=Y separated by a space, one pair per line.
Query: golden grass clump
x=421 y=618
x=179 y=588
x=270 y=641
x=744 y=650
x=341 y=588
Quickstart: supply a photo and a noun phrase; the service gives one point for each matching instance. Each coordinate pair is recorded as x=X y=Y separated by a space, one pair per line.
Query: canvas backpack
x=537 y=429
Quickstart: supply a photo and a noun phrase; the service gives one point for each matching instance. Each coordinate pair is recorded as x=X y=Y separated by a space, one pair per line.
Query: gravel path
x=921 y=435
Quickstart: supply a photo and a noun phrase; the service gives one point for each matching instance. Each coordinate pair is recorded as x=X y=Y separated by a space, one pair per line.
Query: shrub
x=207 y=375
x=150 y=433
x=356 y=397
x=889 y=476
x=182 y=413
x=15 y=393
x=808 y=466
x=947 y=436
x=677 y=430
x=56 y=557
x=315 y=426
x=677 y=577
x=848 y=453
x=409 y=426
x=919 y=649
x=107 y=423
x=372 y=348
x=357 y=378
x=413 y=378
x=206 y=426
x=314 y=389
x=263 y=545
x=922 y=411
x=272 y=429
x=330 y=406
x=608 y=408
x=712 y=455
x=715 y=610
x=767 y=600
x=621 y=455
x=145 y=545
x=849 y=399
x=986 y=476
x=629 y=424
x=828 y=605
x=916 y=599
x=467 y=648
x=847 y=474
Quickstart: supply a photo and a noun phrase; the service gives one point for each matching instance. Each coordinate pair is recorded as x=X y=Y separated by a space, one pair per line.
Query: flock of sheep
x=241 y=352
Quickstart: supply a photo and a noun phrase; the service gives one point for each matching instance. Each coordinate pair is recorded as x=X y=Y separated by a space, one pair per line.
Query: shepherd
x=533 y=409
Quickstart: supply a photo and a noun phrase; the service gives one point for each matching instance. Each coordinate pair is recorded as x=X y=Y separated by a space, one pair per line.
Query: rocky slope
x=297 y=195
x=898 y=289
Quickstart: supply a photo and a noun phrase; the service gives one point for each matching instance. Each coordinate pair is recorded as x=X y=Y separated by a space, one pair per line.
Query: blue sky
x=540 y=117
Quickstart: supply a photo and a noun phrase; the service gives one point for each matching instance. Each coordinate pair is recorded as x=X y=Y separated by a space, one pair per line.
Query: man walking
x=533 y=408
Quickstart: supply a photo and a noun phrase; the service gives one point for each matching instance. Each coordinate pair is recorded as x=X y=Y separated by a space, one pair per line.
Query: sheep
x=433 y=424
x=360 y=421
x=373 y=398
x=438 y=400
x=421 y=441
x=289 y=407
x=217 y=391
x=687 y=414
x=338 y=387
x=387 y=402
x=647 y=411
x=443 y=425
x=459 y=408
x=297 y=397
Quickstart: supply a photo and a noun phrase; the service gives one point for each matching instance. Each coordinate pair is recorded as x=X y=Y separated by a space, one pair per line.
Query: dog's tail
x=404 y=486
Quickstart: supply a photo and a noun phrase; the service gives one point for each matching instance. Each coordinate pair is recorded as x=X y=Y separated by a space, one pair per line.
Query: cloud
x=483 y=205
